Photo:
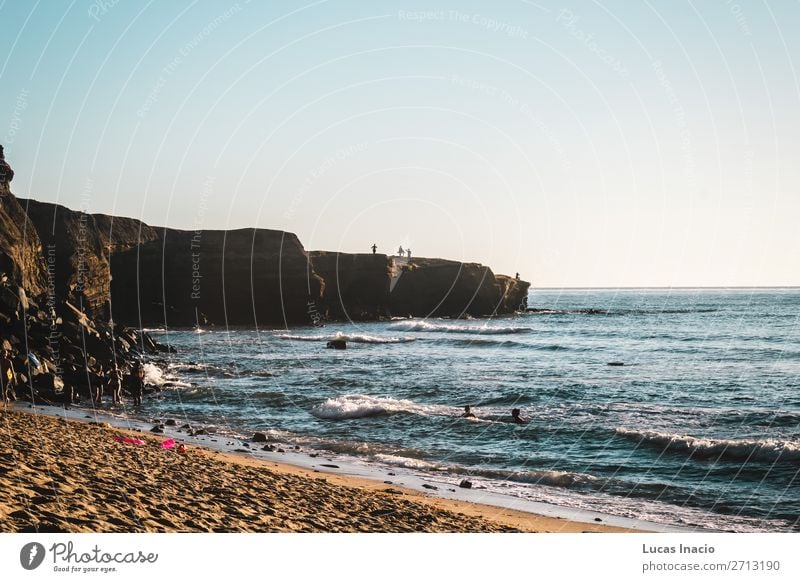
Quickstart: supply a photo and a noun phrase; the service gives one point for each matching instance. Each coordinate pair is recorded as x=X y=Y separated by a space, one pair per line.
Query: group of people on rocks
x=113 y=380
x=100 y=383
x=401 y=252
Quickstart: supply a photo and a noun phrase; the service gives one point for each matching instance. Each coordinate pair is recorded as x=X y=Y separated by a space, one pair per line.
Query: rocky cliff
x=21 y=259
x=121 y=268
x=57 y=350
x=356 y=285
x=72 y=243
x=442 y=288
x=70 y=282
x=240 y=277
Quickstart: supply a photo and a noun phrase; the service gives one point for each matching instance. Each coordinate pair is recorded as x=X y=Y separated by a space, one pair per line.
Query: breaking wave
x=361 y=406
x=770 y=450
x=421 y=325
x=349 y=337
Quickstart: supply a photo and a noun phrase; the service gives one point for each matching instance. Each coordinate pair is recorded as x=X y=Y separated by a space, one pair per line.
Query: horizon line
x=668 y=287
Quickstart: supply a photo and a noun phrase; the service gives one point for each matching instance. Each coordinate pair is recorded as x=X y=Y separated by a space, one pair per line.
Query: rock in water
x=337 y=345
x=259 y=437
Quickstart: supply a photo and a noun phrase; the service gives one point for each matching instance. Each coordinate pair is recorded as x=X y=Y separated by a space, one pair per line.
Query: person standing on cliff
x=374 y=248
x=409 y=254
x=400 y=251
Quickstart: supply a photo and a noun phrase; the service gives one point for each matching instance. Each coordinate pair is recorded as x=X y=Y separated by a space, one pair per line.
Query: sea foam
x=362 y=406
x=421 y=325
x=351 y=337
x=771 y=450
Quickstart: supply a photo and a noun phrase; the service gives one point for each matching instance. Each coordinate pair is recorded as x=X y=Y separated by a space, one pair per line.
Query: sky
x=612 y=144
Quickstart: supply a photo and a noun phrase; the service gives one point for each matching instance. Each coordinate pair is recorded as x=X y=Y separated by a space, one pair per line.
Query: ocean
x=700 y=428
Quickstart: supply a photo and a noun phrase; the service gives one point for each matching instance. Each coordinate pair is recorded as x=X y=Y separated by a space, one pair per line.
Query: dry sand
x=68 y=476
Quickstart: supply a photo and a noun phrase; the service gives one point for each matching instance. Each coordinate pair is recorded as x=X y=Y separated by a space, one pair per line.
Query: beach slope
x=67 y=476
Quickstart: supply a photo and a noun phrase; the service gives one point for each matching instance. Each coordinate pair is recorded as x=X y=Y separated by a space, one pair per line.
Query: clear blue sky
x=579 y=143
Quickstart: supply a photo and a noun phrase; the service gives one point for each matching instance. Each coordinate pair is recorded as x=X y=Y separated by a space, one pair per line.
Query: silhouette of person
x=409 y=253
x=400 y=251
x=467 y=412
x=8 y=378
x=374 y=248
x=517 y=277
x=516 y=418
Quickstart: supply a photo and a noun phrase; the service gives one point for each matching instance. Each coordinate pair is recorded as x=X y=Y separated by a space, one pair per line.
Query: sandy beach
x=61 y=475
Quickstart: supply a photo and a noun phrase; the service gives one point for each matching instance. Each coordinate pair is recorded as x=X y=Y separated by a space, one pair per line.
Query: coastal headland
x=78 y=289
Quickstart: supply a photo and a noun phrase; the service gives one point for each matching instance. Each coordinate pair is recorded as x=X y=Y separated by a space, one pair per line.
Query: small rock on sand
x=259 y=437
x=465 y=484
x=426 y=486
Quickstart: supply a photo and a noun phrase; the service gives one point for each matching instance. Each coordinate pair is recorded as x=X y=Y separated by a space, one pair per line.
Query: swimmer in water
x=516 y=418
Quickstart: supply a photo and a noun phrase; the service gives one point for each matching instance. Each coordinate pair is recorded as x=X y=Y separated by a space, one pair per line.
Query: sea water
x=700 y=426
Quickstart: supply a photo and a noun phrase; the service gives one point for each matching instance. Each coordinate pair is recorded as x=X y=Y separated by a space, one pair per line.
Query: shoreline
x=53 y=443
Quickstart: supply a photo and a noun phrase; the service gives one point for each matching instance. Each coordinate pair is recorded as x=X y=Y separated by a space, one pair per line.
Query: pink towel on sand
x=168 y=444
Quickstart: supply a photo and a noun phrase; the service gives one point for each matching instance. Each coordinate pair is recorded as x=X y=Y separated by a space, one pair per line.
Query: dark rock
x=427 y=486
x=329 y=466
x=170 y=422
x=465 y=484
x=270 y=448
x=259 y=437
x=267 y=278
x=616 y=363
x=240 y=451
x=157 y=429
x=356 y=285
x=597 y=519
x=337 y=345
x=438 y=287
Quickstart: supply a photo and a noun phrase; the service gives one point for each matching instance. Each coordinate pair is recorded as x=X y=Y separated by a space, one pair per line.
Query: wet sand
x=61 y=475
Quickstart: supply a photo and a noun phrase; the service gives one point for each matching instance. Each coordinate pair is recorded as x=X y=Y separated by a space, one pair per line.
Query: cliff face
x=513 y=292
x=121 y=234
x=141 y=275
x=21 y=259
x=437 y=287
x=72 y=243
x=356 y=285
x=240 y=277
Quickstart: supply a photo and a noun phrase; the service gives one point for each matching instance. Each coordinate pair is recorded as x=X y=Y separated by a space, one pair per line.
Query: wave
x=421 y=325
x=355 y=338
x=155 y=376
x=769 y=450
x=609 y=312
x=532 y=477
x=362 y=406
x=480 y=342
